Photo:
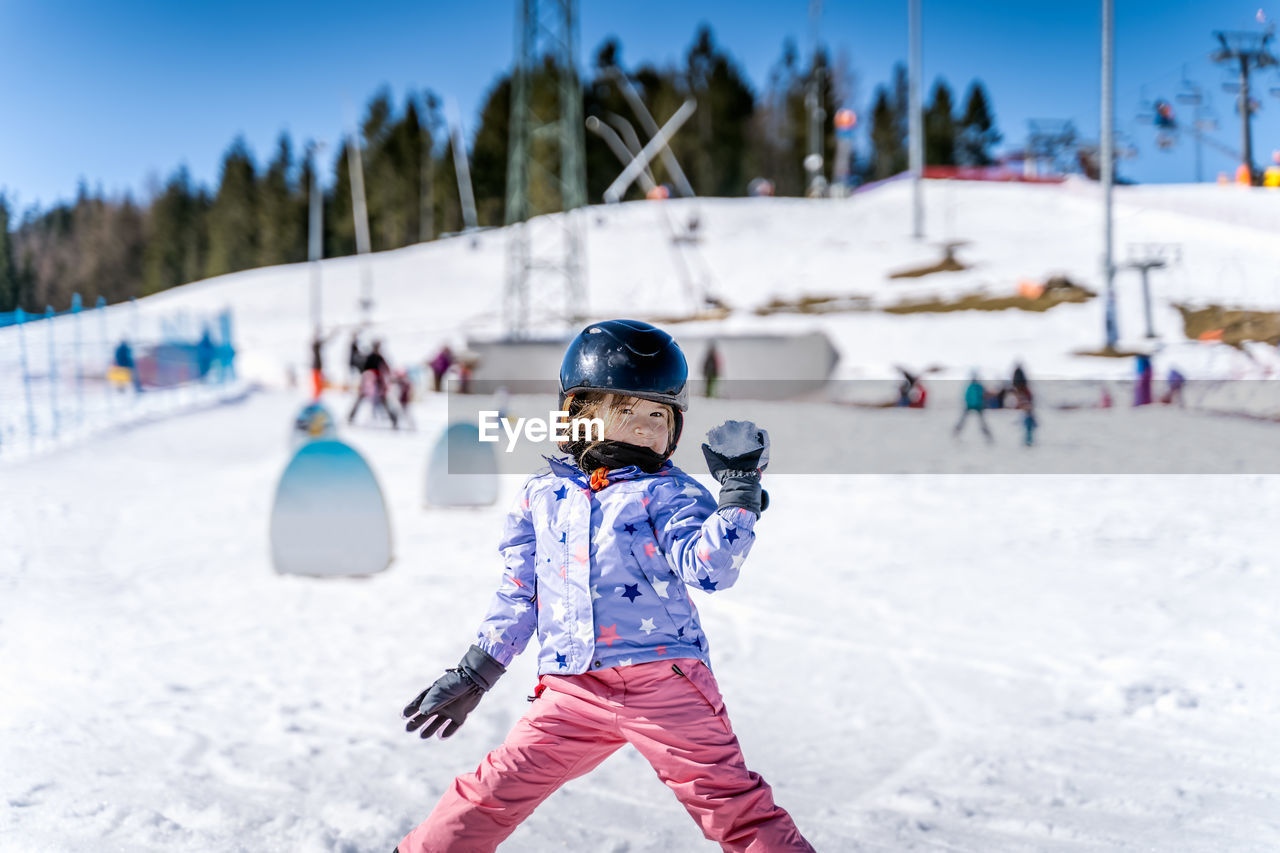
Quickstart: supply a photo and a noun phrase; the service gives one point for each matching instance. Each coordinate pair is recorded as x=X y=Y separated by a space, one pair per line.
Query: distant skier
x=1173 y=394
x=911 y=390
x=317 y=363
x=1142 y=387
x=1019 y=380
x=1025 y=402
x=711 y=369
x=439 y=366
x=373 y=385
x=404 y=394
x=355 y=357
x=600 y=550
x=975 y=401
x=124 y=360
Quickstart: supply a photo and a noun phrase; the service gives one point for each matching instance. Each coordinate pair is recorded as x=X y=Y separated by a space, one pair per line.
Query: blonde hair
x=589 y=405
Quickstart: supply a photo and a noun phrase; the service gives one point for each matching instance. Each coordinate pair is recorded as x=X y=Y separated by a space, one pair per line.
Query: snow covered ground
x=978 y=663
x=1040 y=660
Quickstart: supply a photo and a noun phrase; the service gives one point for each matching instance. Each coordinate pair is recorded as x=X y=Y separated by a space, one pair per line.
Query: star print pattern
x=608 y=635
x=647 y=539
x=584 y=633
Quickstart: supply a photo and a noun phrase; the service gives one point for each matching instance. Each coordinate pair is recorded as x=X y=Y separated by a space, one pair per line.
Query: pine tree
x=233 y=221
x=977 y=131
x=940 y=127
x=901 y=103
x=448 y=203
x=722 y=122
x=379 y=172
x=770 y=153
x=339 y=218
x=176 y=244
x=888 y=148
x=489 y=155
x=281 y=224
x=399 y=161
x=8 y=271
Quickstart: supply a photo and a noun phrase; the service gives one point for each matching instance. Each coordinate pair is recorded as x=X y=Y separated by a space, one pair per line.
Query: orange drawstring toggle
x=599 y=479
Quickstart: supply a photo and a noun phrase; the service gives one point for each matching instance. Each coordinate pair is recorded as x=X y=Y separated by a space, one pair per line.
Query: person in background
x=975 y=400
x=1025 y=402
x=317 y=363
x=373 y=385
x=1019 y=380
x=124 y=360
x=439 y=366
x=911 y=390
x=711 y=368
x=404 y=394
x=1174 y=393
x=1142 y=388
x=355 y=357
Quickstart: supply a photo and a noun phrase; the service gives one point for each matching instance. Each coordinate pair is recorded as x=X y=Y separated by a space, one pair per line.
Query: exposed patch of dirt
x=1056 y=291
x=1232 y=326
x=1108 y=353
x=815 y=305
x=949 y=263
x=706 y=314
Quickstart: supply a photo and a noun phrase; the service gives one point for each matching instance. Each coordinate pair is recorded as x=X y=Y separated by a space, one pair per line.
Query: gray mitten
x=737 y=452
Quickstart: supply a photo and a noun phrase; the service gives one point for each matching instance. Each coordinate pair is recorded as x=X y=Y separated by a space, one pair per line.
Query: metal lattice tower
x=546 y=171
x=1250 y=52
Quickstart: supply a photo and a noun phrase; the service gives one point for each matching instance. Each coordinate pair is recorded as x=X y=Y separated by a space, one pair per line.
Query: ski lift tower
x=1249 y=51
x=546 y=172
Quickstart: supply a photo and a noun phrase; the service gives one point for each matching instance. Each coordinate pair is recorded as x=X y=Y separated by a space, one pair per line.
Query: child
x=975 y=402
x=598 y=555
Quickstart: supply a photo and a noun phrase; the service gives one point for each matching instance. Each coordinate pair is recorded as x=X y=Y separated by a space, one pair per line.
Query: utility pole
x=1108 y=165
x=315 y=244
x=915 y=129
x=360 y=212
x=1249 y=51
x=813 y=102
x=427 y=193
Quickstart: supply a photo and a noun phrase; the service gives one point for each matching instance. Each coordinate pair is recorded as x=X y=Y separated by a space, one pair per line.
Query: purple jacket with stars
x=604 y=576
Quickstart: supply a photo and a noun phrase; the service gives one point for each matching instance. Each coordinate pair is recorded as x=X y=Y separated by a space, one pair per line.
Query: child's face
x=639 y=422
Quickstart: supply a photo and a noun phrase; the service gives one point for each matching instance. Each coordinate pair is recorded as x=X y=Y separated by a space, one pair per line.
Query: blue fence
x=67 y=374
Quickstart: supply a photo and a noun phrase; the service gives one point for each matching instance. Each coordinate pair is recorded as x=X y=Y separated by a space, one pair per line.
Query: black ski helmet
x=627 y=357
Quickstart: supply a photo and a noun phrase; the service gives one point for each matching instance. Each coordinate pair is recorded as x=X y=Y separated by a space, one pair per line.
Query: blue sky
x=119 y=94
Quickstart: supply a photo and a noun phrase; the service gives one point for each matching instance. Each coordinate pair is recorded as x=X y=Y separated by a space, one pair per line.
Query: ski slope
x=753 y=250
x=923 y=657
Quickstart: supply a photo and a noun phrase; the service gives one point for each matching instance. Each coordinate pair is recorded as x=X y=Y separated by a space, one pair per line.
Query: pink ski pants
x=676 y=721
